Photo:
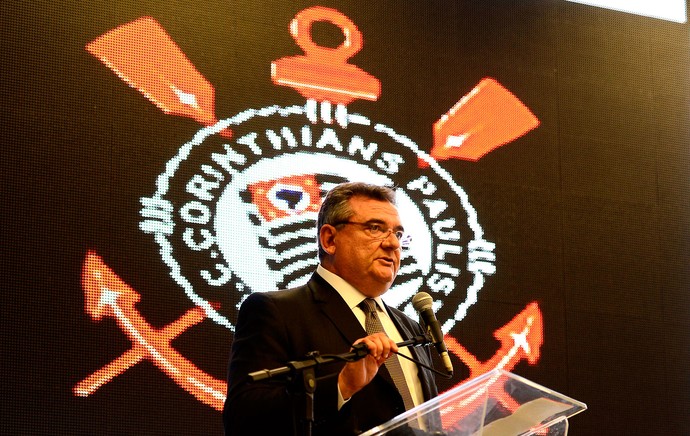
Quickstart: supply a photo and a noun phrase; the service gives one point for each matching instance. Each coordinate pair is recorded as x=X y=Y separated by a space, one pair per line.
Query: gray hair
x=336 y=205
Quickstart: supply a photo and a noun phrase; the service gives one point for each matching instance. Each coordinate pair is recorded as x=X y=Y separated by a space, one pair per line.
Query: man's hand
x=355 y=375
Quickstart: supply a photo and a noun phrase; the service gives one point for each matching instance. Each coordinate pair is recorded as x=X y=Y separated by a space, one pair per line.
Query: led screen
x=163 y=161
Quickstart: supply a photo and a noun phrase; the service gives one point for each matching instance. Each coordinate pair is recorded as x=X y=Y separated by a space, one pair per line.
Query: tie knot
x=368 y=305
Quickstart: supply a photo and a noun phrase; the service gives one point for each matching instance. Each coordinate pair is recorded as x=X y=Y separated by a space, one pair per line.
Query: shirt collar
x=349 y=293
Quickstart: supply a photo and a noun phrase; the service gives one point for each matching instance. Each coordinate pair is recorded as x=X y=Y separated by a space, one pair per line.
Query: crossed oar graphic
x=109 y=296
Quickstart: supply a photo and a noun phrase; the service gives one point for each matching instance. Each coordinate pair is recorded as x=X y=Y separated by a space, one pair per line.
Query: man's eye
x=374 y=228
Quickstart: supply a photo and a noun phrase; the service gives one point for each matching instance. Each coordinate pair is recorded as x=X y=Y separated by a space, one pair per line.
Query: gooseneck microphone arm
x=359 y=351
x=415 y=342
x=305 y=371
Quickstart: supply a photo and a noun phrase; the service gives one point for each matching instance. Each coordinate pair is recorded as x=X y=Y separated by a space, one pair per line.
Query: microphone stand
x=306 y=371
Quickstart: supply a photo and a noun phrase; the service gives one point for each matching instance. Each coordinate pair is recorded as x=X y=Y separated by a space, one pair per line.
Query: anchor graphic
x=143 y=55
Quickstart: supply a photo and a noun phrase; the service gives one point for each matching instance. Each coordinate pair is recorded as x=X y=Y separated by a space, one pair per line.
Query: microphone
x=422 y=303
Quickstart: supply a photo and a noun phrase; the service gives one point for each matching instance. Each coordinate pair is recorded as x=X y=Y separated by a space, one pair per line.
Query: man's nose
x=393 y=241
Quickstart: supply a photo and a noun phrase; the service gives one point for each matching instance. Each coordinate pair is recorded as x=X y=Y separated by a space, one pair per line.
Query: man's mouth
x=387 y=260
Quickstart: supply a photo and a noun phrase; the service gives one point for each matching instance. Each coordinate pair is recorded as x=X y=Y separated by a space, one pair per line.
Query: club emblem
x=234 y=209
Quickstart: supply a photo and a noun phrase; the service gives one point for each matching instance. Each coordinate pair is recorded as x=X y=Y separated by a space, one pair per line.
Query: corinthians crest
x=234 y=210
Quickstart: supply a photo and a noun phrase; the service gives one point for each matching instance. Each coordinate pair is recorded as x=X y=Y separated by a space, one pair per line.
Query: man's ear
x=327 y=238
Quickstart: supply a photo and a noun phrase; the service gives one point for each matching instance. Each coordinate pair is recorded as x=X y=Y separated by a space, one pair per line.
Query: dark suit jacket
x=278 y=327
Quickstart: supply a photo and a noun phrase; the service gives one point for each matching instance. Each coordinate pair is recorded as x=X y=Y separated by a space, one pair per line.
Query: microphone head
x=422 y=301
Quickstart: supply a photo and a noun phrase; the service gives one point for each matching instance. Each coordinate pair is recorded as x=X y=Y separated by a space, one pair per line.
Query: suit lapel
x=416 y=352
x=335 y=309
x=402 y=328
x=340 y=314
x=405 y=333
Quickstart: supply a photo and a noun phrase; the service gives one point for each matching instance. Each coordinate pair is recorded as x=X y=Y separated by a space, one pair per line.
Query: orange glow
x=323 y=73
x=486 y=118
x=521 y=338
x=108 y=296
x=142 y=54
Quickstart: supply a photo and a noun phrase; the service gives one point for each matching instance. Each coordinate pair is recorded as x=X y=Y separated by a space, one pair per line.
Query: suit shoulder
x=277 y=297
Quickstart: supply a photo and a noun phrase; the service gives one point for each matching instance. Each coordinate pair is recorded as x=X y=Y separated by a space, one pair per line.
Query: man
x=359 y=235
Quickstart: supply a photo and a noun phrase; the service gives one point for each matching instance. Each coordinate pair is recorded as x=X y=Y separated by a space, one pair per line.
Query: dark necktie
x=373 y=325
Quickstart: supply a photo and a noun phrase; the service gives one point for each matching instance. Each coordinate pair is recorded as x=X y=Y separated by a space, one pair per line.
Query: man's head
x=358 y=229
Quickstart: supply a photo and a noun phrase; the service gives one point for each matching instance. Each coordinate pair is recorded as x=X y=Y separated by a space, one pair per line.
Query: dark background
x=590 y=212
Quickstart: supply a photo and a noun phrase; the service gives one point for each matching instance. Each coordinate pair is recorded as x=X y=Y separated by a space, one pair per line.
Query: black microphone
x=422 y=303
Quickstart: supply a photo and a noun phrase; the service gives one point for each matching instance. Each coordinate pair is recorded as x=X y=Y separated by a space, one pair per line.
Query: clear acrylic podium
x=497 y=403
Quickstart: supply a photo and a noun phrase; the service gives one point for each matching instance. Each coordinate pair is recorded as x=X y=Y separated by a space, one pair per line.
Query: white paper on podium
x=524 y=417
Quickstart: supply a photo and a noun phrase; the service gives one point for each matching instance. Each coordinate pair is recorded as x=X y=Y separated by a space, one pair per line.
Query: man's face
x=367 y=263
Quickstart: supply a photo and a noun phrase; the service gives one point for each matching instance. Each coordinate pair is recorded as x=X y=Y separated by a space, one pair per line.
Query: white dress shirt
x=353 y=297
